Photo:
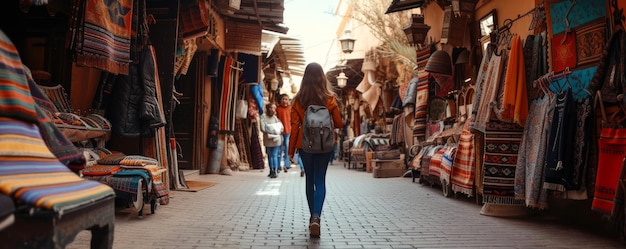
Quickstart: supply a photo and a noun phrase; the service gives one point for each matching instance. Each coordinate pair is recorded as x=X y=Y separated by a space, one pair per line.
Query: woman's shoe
x=273 y=173
x=314 y=227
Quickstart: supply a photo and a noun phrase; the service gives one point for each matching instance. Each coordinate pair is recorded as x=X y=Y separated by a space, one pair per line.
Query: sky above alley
x=314 y=23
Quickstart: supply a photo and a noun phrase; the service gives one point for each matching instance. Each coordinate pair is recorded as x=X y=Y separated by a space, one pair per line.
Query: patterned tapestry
x=502 y=141
x=100 y=34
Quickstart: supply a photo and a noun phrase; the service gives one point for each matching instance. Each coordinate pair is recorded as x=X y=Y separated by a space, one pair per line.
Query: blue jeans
x=272 y=157
x=298 y=159
x=284 y=153
x=315 y=166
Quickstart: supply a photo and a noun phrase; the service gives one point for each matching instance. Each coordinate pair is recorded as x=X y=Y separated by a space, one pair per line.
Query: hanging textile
x=501 y=147
x=531 y=156
x=463 y=169
x=421 y=96
x=483 y=70
x=488 y=93
x=256 y=153
x=250 y=64
x=612 y=149
x=100 y=34
x=559 y=156
x=515 y=99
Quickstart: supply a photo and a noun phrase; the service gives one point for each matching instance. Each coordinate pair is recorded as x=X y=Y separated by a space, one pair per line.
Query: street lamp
x=347 y=42
x=342 y=80
x=347 y=46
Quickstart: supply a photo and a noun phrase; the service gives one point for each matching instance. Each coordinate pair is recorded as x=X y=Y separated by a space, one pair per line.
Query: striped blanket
x=421 y=97
x=32 y=175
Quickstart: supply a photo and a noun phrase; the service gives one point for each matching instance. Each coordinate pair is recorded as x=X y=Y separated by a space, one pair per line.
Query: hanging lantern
x=342 y=80
x=463 y=7
x=416 y=32
x=347 y=42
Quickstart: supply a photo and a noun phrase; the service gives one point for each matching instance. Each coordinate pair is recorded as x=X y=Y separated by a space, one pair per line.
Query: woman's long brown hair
x=314 y=88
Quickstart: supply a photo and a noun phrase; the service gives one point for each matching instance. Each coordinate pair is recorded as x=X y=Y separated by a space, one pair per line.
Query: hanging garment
x=559 y=155
x=480 y=79
x=489 y=89
x=515 y=99
x=582 y=149
x=531 y=157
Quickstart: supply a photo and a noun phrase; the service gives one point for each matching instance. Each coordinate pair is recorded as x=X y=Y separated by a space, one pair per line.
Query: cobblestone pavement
x=250 y=210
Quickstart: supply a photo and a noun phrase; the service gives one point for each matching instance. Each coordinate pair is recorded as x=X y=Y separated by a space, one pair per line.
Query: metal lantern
x=463 y=7
x=342 y=80
x=416 y=32
x=347 y=42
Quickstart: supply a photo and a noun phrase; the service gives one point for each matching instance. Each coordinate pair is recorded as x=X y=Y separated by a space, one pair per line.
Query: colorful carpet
x=502 y=141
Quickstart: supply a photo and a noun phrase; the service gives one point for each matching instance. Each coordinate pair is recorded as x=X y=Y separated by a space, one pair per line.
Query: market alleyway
x=250 y=210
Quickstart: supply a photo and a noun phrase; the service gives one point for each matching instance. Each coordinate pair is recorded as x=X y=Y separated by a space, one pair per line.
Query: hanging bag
x=241 y=110
x=611 y=152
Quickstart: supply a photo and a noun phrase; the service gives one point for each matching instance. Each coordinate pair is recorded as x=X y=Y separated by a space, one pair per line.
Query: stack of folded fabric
x=136 y=179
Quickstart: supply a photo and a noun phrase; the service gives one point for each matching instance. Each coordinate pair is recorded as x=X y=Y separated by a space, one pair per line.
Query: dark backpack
x=318 y=130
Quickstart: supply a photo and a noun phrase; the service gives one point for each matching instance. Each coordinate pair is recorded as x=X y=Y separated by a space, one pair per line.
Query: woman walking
x=314 y=90
x=272 y=129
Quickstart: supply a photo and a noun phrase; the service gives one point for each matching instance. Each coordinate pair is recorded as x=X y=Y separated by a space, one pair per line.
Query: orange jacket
x=297 y=115
x=284 y=114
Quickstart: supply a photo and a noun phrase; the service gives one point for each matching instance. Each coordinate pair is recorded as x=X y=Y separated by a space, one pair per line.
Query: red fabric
x=611 y=153
x=564 y=51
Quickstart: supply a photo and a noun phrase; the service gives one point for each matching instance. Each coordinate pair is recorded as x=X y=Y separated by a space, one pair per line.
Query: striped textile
x=15 y=97
x=463 y=168
x=446 y=163
x=32 y=175
x=421 y=98
x=435 y=163
x=100 y=34
x=59 y=145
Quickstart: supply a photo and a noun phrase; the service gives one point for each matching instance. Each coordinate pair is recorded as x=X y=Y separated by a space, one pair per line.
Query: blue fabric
x=257 y=93
x=272 y=156
x=299 y=160
x=284 y=152
x=315 y=167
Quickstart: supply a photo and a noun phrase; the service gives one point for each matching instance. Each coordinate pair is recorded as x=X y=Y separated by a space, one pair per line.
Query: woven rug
x=502 y=141
x=102 y=34
x=195 y=186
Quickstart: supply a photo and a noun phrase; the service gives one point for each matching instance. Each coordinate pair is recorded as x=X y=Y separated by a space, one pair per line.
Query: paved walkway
x=250 y=210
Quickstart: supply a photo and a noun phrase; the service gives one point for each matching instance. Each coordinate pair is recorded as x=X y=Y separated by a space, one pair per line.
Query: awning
x=266 y=13
x=352 y=69
x=291 y=54
x=400 y=5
